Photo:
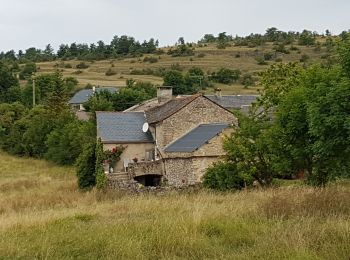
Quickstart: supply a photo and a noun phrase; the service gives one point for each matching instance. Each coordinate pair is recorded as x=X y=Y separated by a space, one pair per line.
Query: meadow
x=208 y=58
x=43 y=215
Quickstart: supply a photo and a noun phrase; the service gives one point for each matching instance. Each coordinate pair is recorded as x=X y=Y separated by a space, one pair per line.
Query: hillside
x=44 y=215
x=207 y=57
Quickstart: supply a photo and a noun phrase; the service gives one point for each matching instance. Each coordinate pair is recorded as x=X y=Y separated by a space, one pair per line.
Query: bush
x=268 y=56
x=247 y=80
x=110 y=72
x=82 y=65
x=261 y=60
x=86 y=167
x=281 y=48
x=150 y=59
x=304 y=58
x=67 y=65
x=223 y=176
x=226 y=76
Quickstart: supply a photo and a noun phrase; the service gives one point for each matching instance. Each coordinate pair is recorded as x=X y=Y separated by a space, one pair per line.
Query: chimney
x=93 y=90
x=218 y=92
x=164 y=93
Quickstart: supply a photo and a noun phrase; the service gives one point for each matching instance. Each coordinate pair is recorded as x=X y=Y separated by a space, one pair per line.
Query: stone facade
x=131 y=151
x=178 y=169
x=188 y=168
x=199 y=111
x=146 y=168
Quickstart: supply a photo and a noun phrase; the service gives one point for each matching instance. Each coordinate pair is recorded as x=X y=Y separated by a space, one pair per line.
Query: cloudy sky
x=26 y=23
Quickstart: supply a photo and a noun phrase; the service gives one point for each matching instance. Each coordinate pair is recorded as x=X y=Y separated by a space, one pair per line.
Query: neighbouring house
x=83 y=95
x=231 y=102
x=173 y=141
x=238 y=102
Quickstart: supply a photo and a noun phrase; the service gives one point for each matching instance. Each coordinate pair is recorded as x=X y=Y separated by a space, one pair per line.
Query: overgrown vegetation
x=41 y=203
x=300 y=125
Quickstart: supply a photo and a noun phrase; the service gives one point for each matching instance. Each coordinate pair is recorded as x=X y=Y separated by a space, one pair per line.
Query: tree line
x=118 y=47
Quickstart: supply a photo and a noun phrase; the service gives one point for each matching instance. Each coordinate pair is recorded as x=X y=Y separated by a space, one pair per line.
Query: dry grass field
x=208 y=58
x=44 y=216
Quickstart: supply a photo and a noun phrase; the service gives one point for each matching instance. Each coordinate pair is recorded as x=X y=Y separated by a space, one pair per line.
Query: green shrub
x=268 y=56
x=261 y=61
x=226 y=76
x=82 y=65
x=110 y=72
x=247 y=80
x=150 y=59
x=86 y=167
x=304 y=58
x=101 y=178
x=223 y=176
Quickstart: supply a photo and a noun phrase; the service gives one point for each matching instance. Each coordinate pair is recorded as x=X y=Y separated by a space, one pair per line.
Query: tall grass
x=44 y=216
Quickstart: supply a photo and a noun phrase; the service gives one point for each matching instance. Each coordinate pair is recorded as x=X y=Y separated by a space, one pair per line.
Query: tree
x=9 y=114
x=222 y=40
x=50 y=89
x=344 y=54
x=310 y=132
x=306 y=38
x=247 y=148
x=86 y=167
x=8 y=84
x=226 y=76
x=278 y=80
x=175 y=79
x=28 y=70
x=101 y=178
x=66 y=143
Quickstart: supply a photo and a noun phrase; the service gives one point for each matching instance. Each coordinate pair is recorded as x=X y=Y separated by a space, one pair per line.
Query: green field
x=44 y=216
x=208 y=58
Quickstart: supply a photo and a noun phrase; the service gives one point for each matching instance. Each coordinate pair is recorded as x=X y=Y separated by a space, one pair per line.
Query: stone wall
x=131 y=151
x=144 y=168
x=196 y=162
x=199 y=111
x=179 y=172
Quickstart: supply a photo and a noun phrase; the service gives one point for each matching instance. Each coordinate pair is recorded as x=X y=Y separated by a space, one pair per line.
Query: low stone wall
x=117 y=184
x=146 y=168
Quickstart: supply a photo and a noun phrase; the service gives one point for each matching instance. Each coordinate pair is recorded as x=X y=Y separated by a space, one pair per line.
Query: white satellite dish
x=145 y=127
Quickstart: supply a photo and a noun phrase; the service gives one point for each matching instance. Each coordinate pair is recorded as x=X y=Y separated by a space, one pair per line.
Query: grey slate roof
x=233 y=101
x=196 y=138
x=83 y=95
x=122 y=127
x=159 y=113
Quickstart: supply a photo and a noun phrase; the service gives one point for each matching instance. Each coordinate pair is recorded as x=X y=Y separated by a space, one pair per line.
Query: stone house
x=174 y=140
x=83 y=95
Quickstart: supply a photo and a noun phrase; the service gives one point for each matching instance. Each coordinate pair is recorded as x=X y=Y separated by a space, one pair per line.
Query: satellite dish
x=145 y=127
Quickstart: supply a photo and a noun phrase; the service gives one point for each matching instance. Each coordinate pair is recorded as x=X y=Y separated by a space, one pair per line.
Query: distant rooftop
x=122 y=127
x=233 y=101
x=83 y=95
x=196 y=138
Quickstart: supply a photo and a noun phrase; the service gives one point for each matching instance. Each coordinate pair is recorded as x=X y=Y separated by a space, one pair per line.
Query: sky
x=35 y=23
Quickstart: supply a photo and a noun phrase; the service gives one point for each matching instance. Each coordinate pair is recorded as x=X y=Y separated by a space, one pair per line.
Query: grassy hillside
x=43 y=215
x=208 y=58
